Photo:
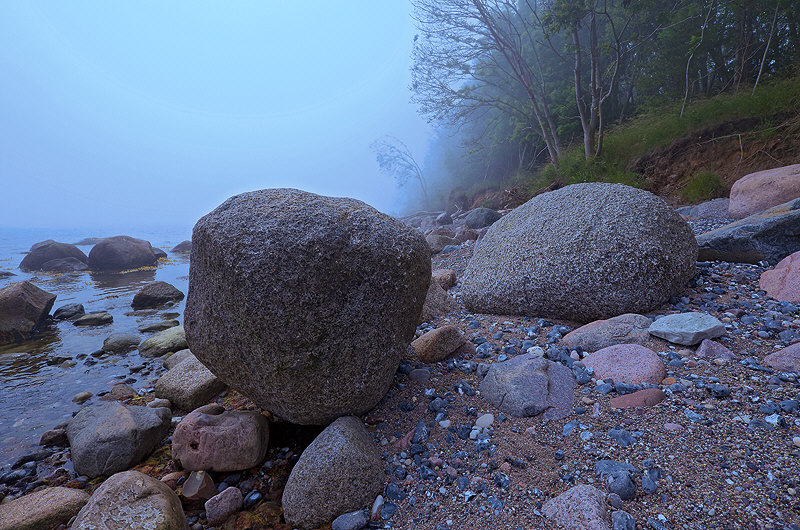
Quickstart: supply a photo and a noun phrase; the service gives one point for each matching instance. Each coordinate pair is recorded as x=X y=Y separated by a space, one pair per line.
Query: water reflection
x=123 y=282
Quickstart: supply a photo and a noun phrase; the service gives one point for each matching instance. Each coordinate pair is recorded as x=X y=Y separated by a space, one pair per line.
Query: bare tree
x=480 y=54
x=395 y=159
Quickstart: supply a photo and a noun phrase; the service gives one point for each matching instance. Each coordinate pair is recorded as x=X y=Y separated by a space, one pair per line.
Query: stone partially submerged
x=120 y=253
x=304 y=303
x=23 y=307
x=581 y=253
x=527 y=385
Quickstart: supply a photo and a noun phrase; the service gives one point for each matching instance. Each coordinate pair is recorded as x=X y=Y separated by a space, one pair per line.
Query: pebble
x=484 y=421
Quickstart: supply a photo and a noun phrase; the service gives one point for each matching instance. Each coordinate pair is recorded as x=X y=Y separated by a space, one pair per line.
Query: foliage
x=395 y=159
x=701 y=187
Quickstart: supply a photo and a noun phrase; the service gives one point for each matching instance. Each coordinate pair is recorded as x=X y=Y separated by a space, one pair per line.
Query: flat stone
x=687 y=328
x=787 y=359
x=527 y=385
x=783 y=282
x=179 y=356
x=438 y=344
x=579 y=508
x=109 y=437
x=189 y=384
x=342 y=459
x=121 y=342
x=641 y=398
x=100 y=318
x=484 y=421
x=220 y=507
x=169 y=340
x=218 y=440
x=627 y=363
x=629 y=328
x=132 y=500
x=42 y=509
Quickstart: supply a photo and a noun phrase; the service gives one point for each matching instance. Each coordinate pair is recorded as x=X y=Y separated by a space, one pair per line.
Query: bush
x=702 y=187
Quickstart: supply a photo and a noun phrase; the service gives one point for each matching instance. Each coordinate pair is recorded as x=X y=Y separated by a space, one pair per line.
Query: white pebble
x=485 y=421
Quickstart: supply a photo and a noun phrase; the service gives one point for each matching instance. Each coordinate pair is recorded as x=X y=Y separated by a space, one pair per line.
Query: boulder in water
x=121 y=253
x=156 y=294
x=23 y=307
x=46 y=251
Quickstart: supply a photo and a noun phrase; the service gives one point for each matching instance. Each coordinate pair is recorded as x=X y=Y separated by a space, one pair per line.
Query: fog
x=152 y=113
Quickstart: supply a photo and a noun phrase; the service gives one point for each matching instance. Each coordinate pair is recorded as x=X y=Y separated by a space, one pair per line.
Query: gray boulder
x=156 y=294
x=121 y=342
x=713 y=209
x=47 y=508
x=769 y=236
x=179 y=356
x=480 y=217
x=304 y=303
x=687 y=328
x=437 y=303
x=109 y=437
x=23 y=307
x=170 y=340
x=46 y=251
x=67 y=311
x=132 y=500
x=437 y=242
x=64 y=265
x=582 y=253
x=183 y=247
x=189 y=384
x=120 y=253
x=528 y=385
x=340 y=472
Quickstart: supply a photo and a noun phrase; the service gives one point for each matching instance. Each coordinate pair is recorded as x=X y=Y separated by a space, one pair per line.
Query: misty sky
x=152 y=113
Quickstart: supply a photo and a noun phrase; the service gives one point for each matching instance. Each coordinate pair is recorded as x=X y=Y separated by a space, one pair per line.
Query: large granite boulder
x=46 y=251
x=23 y=307
x=769 y=236
x=132 y=500
x=120 y=253
x=47 y=508
x=189 y=384
x=215 y=439
x=783 y=282
x=582 y=253
x=527 y=385
x=110 y=437
x=156 y=294
x=304 y=303
x=756 y=192
x=340 y=472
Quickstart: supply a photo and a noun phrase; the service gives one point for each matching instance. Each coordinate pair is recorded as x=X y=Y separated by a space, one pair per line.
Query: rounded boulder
x=304 y=303
x=582 y=253
x=120 y=253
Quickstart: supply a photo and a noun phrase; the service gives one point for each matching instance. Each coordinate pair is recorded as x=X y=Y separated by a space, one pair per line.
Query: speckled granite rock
x=581 y=253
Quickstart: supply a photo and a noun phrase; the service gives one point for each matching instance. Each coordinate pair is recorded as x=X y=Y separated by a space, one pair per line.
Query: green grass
x=702 y=187
x=658 y=128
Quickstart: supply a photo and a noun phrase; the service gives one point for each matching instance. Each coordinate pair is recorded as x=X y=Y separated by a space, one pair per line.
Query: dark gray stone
x=622 y=520
x=120 y=253
x=23 y=307
x=528 y=385
x=304 y=303
x=341 y=471
x=769 y=236
x=64 y=265
x=183 y=247
x=541 y=259
x=46 y=251
x=156 y=294
x=481 y=217
x=351 y=521
x=68 y=311
x=109 y=437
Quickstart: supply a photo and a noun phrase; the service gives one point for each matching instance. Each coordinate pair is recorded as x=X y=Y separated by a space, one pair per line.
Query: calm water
x=36 y=391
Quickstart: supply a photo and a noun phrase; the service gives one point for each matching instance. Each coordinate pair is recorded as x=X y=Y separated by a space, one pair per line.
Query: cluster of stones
x=591 y=253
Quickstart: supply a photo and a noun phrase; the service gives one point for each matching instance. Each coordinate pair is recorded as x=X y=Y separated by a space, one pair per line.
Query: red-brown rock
x=579 y=508
x=628 y=363
x=714 y=350
x=223 y=505
x=783 y=282
x=787 y=359
x=642 y=398
x=438 y=344
x=445 y=277
x=23 y=306
x=756 y=192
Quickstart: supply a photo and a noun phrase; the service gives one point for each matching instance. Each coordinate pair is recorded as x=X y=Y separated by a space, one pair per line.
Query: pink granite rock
x=714 y=350
x=756 y=192
x=579 y=508
x=629 y=328
x=628 y=363
x=223 y=505
x=438 y=344
x=783 y=282
x=642 y=398
x=228 y=441
x=787 y=359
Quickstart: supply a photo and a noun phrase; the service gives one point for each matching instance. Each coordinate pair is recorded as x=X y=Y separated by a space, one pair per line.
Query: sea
x=39 y=377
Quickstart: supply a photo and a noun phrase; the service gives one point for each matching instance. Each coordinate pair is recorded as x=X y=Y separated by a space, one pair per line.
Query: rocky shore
x=679 y=413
